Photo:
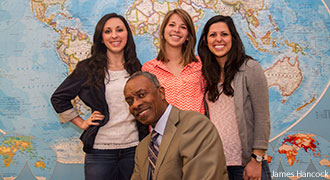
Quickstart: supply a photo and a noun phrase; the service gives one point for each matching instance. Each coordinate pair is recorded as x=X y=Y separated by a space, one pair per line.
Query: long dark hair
x=211 y=68
x=98 y=64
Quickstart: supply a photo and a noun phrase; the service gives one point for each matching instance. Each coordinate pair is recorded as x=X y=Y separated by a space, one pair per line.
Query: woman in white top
x=111 y=133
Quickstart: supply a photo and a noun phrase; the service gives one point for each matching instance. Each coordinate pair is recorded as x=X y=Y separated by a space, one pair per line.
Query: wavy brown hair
x=188 y=47
x=98 y=64
x=211 y=69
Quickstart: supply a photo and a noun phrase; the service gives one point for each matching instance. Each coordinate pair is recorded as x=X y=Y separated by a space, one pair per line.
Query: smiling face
x=219 y=40
x=114 y=35
x=146 y=101
x=175 y=32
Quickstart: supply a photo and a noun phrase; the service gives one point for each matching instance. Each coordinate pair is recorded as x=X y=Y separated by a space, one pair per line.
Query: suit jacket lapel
x=169 y=132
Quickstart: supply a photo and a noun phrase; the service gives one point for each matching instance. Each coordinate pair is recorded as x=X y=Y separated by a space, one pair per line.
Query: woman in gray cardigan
x=236 y=99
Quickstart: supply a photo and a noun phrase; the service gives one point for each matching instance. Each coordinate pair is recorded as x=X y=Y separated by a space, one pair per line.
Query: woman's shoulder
x=150 y=64
x=197 y=65
x=152 y=61
x=83 y=65
x=198 y=58
x=250 y=64
x=253 y=69
x=84 y=62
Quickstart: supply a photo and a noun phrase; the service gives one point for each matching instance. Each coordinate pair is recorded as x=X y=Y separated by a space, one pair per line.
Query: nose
x=114 y=35
x=218 y=38
x=136 y=105
x=177 y=28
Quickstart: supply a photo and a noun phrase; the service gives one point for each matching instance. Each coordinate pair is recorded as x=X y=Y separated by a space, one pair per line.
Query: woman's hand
x=96 y=116
x=252 y=170
x=84 y=124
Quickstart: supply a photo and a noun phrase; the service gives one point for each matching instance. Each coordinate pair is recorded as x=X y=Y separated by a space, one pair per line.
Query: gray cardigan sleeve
x=258 y=91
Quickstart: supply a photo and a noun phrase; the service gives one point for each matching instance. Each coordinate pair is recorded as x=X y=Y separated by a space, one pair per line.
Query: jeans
x=113 y=164
x=236 y=172
x=265 y=171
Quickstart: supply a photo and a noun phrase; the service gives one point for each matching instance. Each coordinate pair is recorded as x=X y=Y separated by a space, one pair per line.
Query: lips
x=219 y=47
x=175 y=36
x=115 y=43
x=141 y=113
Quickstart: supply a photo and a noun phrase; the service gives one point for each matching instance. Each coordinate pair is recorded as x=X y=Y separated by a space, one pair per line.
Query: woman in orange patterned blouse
x=176 y=66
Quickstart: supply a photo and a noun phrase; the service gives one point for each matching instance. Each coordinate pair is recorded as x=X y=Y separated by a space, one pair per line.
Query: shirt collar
x=190 y=66
x=161 y=65
x=161 y=124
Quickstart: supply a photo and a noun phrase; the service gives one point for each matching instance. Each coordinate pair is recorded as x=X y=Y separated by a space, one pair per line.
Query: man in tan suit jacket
x=190 y=147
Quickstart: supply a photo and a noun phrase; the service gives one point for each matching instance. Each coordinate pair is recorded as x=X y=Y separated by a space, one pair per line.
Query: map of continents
x=44 y=40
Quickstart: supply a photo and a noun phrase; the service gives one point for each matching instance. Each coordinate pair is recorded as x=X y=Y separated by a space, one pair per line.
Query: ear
x=162 y=92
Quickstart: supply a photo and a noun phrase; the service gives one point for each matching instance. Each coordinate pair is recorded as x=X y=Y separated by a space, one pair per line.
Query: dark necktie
x=153 y=150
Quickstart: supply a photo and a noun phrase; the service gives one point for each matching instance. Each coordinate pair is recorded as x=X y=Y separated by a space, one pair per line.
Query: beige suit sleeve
x=201 y=149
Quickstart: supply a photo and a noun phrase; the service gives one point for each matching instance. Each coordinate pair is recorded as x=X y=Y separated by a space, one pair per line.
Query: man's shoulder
x=190 y=113
x=190 y=118
x=194 y=114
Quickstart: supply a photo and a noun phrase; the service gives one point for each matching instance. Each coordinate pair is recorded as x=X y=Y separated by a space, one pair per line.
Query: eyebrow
x=138 y=91
x=215 y=31
x=172 y=21
x=119 y=26
x=134 y=93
